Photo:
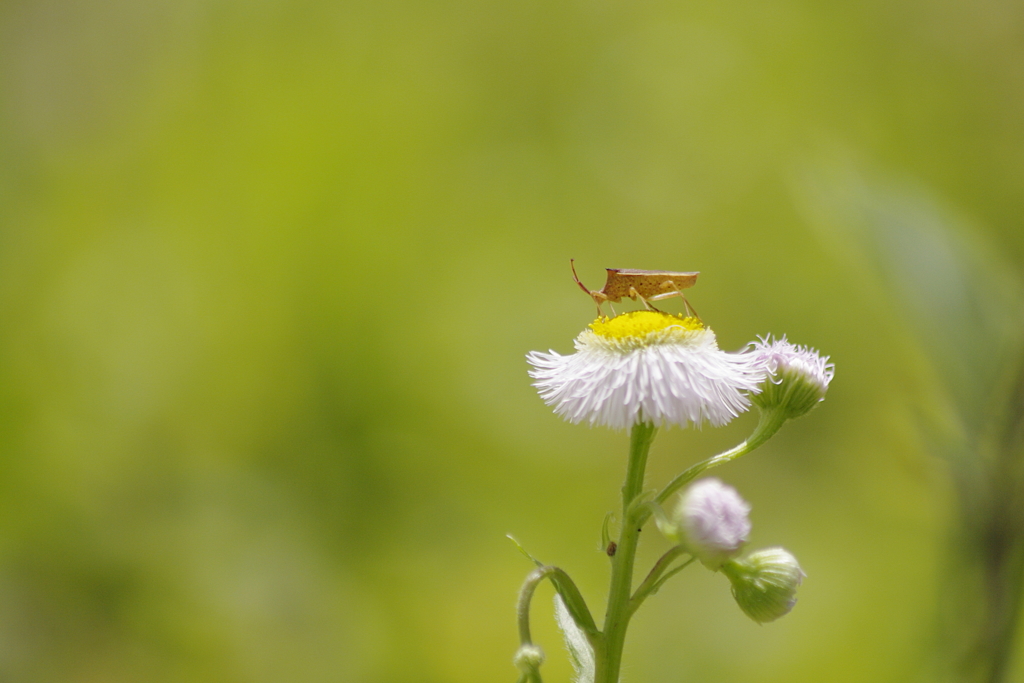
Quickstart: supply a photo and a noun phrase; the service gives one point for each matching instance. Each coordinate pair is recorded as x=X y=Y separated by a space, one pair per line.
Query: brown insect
x=646 y=285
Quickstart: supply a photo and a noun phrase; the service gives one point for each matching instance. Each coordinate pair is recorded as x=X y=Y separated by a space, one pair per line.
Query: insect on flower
x=646 y=285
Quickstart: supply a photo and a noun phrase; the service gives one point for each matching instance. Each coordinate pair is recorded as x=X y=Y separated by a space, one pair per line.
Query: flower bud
x=712 y=520
x=764 y=583
x=528 y=658
x=798 y=377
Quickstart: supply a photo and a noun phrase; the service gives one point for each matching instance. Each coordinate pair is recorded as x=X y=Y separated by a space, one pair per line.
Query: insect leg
x=633 y=294
x=690 y=310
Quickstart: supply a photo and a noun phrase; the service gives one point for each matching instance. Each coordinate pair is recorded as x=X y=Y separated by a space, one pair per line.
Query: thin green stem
x=770 y=422
x=654 y=580
x=571 y=596
x=523 y=606
x=669 y=574
x=533 y=579
x=608 y=656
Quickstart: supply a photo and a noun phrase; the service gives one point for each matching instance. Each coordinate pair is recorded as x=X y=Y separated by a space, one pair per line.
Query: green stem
x=668 y=575
x=655 y=578
x=570 y=596
x=770 y=422
x=533 y=579
x=608 y=656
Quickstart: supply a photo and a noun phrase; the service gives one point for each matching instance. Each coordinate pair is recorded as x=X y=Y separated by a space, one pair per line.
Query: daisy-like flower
x=799 y=376
x=647 y=366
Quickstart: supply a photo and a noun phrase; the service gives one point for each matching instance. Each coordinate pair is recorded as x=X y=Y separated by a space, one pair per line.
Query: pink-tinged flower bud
x=798 y=377
x=712 y=522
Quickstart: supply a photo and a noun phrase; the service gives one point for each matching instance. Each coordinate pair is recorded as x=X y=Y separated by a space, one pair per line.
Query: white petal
x=679 y=378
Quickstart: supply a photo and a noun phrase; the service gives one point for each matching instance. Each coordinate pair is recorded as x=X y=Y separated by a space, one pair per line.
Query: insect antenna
x=576 y=277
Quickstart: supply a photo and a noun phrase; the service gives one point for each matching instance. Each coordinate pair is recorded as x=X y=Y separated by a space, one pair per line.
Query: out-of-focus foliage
x=268 y=271
x=964 y=304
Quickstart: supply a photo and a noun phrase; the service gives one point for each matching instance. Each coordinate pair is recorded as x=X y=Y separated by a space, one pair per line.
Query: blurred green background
x=268 y=271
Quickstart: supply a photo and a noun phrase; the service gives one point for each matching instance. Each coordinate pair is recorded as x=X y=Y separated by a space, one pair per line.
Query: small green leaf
x=580 y=652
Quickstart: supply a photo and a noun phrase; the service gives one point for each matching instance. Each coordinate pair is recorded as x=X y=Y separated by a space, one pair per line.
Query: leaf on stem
x=580 y=652
x=523 y=550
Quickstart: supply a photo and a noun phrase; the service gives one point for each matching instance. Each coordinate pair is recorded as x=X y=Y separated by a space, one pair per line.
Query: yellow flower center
x=639 y=324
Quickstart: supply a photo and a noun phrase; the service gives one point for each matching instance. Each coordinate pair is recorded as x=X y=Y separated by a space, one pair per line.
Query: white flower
x=799 y=376
x=647 y=366
x=713 y=521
